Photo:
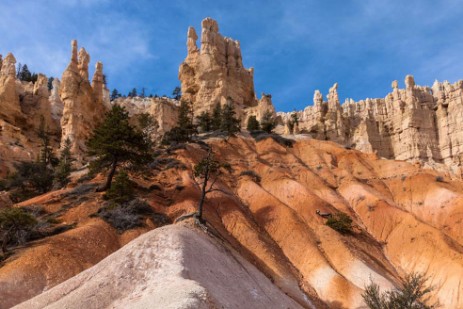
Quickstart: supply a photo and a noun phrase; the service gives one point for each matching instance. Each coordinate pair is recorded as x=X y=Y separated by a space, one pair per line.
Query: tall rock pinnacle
x=10 y=110
x=214 y=73
x=83 y=104
x=98 y=82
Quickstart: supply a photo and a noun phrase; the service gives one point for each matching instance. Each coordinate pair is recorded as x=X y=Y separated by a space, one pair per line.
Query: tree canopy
x=115 y=141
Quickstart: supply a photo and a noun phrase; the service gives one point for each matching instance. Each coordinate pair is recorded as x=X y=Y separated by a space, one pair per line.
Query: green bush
x=268 y=122
x=15 y=226
x=130 y=215
x=411 y=295
x=340 y=222
x=253 y=124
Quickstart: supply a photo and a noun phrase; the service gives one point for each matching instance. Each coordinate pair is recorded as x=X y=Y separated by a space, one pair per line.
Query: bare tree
x=206 y=173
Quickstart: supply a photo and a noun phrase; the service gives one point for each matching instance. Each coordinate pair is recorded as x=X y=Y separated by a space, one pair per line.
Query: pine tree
x=24 y=74
x=229 y=124
x=185 y=128
x=267 y=122
x=115 y=142
x=253 y=124
x=46 y=153
x=216 y=118
x=413 y=294
x=18 y=70
x=115 y=94
x=132 y=93
x=50 y=83
x=63 y=170
x=204 y=122
x=177 y=93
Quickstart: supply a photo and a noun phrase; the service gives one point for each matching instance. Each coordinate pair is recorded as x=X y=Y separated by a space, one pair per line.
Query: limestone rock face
x=83 y=104
x=23 y=108
x=416 y=123
x=163 y=110
x=55 y=101
x=214 y=73
x=99 y=86
x=10 y=110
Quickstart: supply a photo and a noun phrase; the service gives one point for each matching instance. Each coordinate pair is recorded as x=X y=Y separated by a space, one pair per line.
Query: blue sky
x=295 y=47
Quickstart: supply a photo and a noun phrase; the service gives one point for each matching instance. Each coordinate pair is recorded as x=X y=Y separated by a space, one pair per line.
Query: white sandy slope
x=171 y=267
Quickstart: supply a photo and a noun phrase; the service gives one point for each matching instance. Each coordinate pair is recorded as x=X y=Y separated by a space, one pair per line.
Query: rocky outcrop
x=83 y=104
x=55 y=101
x=415 y=123
x=214 y=73
x=99 y=86
x=24 y=107
x=10 y=110
x=164 y=112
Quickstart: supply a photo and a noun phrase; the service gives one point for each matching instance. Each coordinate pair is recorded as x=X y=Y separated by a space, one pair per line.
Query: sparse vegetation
x=15 y=225
x=130 y=215
x=33 y=178
x=340 y=222
x=440 y=179
x=413 y=294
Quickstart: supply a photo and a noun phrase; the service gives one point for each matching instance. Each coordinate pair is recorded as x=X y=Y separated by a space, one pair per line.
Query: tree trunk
x=4 y=244
x=109 y=180
x=201 y=201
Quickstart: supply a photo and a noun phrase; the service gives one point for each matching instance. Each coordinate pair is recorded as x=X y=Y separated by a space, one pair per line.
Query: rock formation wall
x=55 y=101
x=214 y=73
x=83 y=103
x=23 y=107
x=415 y=123
x=163 y=110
